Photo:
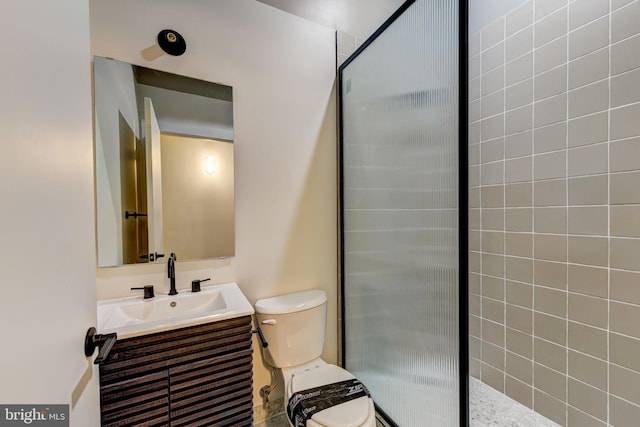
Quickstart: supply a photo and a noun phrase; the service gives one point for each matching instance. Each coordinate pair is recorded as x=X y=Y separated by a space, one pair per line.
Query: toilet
x=294 y=326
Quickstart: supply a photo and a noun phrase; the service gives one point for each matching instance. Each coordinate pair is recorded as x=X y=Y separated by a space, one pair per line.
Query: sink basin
x=134 y=316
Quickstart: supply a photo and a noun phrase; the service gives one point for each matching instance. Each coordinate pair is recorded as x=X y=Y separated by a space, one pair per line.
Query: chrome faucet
x=171 y=273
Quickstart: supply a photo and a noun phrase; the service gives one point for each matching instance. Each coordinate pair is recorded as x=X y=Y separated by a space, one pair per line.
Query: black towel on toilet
x=303 y=404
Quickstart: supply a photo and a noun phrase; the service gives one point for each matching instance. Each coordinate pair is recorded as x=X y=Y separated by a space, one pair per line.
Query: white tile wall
x=555 y=166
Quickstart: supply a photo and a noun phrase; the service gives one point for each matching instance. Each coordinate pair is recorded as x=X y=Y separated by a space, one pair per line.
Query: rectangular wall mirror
x=164 y=165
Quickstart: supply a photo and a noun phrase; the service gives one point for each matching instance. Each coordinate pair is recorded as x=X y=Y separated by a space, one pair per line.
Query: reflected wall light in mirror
x=151 y=130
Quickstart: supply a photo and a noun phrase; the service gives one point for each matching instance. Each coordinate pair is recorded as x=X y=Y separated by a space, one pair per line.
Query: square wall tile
x=520 y=69
x=589 y=99
x=519 y=391
x=551 y=27
x=520 y=18
x=550 y=301
x=518 y=195
x=550 y=110
x=551 y=192
x=493 y=265
x=552 y=274
x=624 y=121
x=493 y=332
x=550 y=220
x=492 y=377
x=493 y=33
x=589 y=38
x=550 y=247
x=492 y=104
x=493 y=355
x=550 y=138
x=519 y=244
x=519 y=342
x=492 y=128
x=493 y=287
x=589 y=160
x=588 y=280
x=589 y=250
x=624 y=319
x=519 y=367
x=549 y=83
x=550 y=55
x=519 y=94
x=550 y=165
x=518 y=145
x=589 y=190
x=520 y=294
x=588 y=369
x=550 y=355
x=493 y=242
x=576 y=417
x=624 y=23
x=625 y=221
x=625 y=88
x=474 y=45
x=625 y=286
x=519 y=120
x=625 y=383
x=624 y=188
x=519 y=220
x=589 y=310
x=589 y=220
x=582 y=12
x=550 y=407
x=492 y=150
x=492 y=173
x=491 y=81
x=519 y=170
x=549 y=381
x=492 y=57
x=624 y=351
x=546 y=7
x=492 y=196
x=589 y=399
x=624 y=55
x=550 y=328
x=493 y=219
x=519 y=43
x=589 y=68
x=519 y=318
x=622 y=413
x=589 y=129
x=588 y=340
x=520 y=269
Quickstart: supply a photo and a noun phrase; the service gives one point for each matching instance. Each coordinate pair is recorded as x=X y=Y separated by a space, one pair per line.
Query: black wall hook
x=172 y=42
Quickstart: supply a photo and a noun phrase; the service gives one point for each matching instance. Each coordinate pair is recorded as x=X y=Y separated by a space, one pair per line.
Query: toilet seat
x=359 y=412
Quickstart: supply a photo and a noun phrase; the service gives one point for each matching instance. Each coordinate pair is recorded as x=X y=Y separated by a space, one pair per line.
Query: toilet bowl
x=294 y=326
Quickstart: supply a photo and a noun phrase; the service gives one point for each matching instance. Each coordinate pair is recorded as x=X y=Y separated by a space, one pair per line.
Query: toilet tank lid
x=291 y=303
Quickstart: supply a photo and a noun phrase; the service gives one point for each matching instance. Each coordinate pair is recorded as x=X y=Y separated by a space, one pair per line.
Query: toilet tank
x=294 y=326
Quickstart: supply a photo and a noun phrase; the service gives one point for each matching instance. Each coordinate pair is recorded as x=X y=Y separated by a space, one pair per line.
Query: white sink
x=134 y=316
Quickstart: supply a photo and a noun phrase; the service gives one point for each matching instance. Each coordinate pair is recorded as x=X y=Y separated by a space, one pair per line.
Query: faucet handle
x=195 y=284
x=148 y=291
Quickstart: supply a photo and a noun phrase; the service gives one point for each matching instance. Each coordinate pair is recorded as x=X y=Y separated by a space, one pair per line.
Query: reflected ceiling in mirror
x=164 y=165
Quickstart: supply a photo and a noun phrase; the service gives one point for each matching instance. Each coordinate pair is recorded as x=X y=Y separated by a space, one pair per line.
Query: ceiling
x=356 y=17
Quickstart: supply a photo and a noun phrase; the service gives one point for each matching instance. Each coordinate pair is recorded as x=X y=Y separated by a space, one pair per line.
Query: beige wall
x=282 y=70
x=197 y=207
x=554 y=153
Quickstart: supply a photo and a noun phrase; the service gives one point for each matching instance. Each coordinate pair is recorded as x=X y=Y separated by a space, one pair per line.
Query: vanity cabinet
x=194 y=376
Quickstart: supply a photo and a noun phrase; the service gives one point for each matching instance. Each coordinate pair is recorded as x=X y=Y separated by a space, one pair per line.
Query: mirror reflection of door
x=133 y=193
x=154 y=178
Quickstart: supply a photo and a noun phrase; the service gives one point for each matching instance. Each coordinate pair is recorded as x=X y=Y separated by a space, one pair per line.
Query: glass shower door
x=401 y=216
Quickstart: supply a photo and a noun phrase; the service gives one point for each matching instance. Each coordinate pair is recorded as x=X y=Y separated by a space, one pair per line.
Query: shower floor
x=487 y=408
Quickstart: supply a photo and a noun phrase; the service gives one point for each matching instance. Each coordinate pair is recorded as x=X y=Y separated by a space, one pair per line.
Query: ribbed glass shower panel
x=400 y=216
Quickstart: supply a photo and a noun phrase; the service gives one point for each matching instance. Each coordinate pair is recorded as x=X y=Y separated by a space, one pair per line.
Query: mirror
x=164 y=165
